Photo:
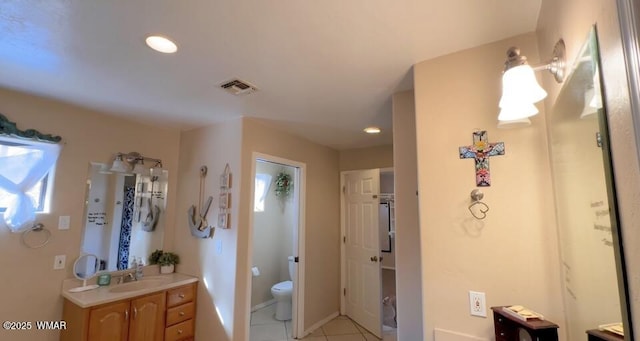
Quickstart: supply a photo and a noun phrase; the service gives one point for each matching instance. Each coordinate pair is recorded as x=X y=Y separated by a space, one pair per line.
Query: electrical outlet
x=59 y=262
x=477 y=304
x=219 y=246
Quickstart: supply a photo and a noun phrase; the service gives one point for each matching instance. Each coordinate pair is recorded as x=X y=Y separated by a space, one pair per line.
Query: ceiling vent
x=238 y=87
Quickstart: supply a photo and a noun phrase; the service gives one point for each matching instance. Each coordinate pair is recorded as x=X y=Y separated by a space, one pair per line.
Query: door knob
x=374 y=258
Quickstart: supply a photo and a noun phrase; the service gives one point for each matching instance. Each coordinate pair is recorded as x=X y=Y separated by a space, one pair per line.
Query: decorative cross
x=481 y=150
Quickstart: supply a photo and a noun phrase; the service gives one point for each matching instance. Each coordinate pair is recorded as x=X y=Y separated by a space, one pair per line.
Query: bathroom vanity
x=154 y=308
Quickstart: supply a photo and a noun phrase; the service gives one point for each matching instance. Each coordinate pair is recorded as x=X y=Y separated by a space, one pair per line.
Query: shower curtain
x=125 y=230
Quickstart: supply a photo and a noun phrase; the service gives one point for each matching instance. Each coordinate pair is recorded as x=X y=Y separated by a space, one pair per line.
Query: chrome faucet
x=130 y=277
x=126 y=277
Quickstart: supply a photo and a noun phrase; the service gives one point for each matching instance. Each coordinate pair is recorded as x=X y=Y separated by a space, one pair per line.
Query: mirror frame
x=616 y=228
x=592 y=43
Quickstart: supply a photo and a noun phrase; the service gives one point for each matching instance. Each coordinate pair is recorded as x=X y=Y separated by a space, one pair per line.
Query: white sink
x=145 y=283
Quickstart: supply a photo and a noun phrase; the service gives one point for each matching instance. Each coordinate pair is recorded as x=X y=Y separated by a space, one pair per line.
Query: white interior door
x=362 y=249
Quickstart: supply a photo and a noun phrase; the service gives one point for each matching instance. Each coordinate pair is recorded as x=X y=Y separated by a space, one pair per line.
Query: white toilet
x=282 y=293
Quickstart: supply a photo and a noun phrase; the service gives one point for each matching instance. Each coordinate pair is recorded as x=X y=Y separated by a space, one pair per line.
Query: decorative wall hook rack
x=224 y=214
x=478 y=208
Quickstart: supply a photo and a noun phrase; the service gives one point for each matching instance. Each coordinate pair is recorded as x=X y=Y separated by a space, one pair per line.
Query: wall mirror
x=124 y=216
x=594 y=289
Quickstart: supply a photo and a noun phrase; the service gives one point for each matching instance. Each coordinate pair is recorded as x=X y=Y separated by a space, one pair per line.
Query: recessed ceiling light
x=161 y=44
x=372 y=130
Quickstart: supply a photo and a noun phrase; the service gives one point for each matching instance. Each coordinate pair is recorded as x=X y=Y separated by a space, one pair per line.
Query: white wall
x=213 y=146
x=322 y=218
x=222 y=295
x=407 y=242
x=366 y=158
x=512 y=254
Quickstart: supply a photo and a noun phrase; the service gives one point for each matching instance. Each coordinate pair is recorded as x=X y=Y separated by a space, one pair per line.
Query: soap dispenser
x=139 y=265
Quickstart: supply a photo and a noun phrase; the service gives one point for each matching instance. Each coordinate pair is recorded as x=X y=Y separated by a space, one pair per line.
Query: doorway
x=367 y=249
x=276 y=285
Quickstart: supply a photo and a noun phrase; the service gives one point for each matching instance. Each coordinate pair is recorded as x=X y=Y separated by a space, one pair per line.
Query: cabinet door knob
x=501 y=334
x=126 y=314
x=179 y=331
x=135 y=312
x=181 y=313
x=181 y=295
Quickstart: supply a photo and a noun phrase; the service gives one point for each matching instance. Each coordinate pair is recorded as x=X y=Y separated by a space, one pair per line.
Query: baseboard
x=449 y=335
x=320 y=323
x=263 y=304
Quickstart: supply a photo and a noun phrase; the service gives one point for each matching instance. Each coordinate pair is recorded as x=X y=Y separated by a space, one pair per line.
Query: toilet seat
x=283 y=287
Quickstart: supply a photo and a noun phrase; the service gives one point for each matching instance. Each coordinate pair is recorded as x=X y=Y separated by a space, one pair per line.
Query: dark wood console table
x=509 y=328
x=601 y=335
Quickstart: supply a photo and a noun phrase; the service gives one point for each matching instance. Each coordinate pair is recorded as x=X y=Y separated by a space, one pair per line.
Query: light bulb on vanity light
x=139 y=168
x=517 y=112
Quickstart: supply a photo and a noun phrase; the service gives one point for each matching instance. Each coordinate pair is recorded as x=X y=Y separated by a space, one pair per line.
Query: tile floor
x=264 y=327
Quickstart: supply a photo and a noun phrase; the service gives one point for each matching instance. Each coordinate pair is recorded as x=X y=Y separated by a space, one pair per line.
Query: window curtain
x=21 y=170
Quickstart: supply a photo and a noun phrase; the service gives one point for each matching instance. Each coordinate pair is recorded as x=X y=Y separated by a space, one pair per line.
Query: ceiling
x=325 y=69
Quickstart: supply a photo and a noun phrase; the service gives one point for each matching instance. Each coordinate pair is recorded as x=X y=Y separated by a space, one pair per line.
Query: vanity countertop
x=104 y=294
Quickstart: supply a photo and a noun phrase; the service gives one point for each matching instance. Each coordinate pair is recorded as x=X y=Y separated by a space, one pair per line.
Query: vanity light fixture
x=119 y=165
x=125 y=161
x=520 y=89
x=161 y=44
x=523 y=122
x=372 y=130
x=139 y=168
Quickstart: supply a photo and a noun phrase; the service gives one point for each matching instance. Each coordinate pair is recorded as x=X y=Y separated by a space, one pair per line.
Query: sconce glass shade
x=520 y=87
x=119 y=166
x=514 y=123
x=104 y=169
x=517 y=112
x=139 y=168
x=157 y=171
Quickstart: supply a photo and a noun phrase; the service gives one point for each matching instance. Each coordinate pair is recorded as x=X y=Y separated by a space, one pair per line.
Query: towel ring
x=39 y=227
x=476 y=197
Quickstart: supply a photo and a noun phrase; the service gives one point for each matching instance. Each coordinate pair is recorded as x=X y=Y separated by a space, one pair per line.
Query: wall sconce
x=520 y=89
x=133 y=162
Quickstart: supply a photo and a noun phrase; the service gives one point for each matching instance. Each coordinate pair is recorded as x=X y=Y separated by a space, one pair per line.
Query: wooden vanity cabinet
x=180 y=313
x=109 y=322
x=147 y=318
x=166 y=315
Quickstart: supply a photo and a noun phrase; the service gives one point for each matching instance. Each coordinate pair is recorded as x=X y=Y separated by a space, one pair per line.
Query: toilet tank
x=292 y=267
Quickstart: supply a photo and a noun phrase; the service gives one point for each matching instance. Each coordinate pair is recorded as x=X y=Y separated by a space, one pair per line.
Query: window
x=263 y=181
x=36 y=193
x=25 y=166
